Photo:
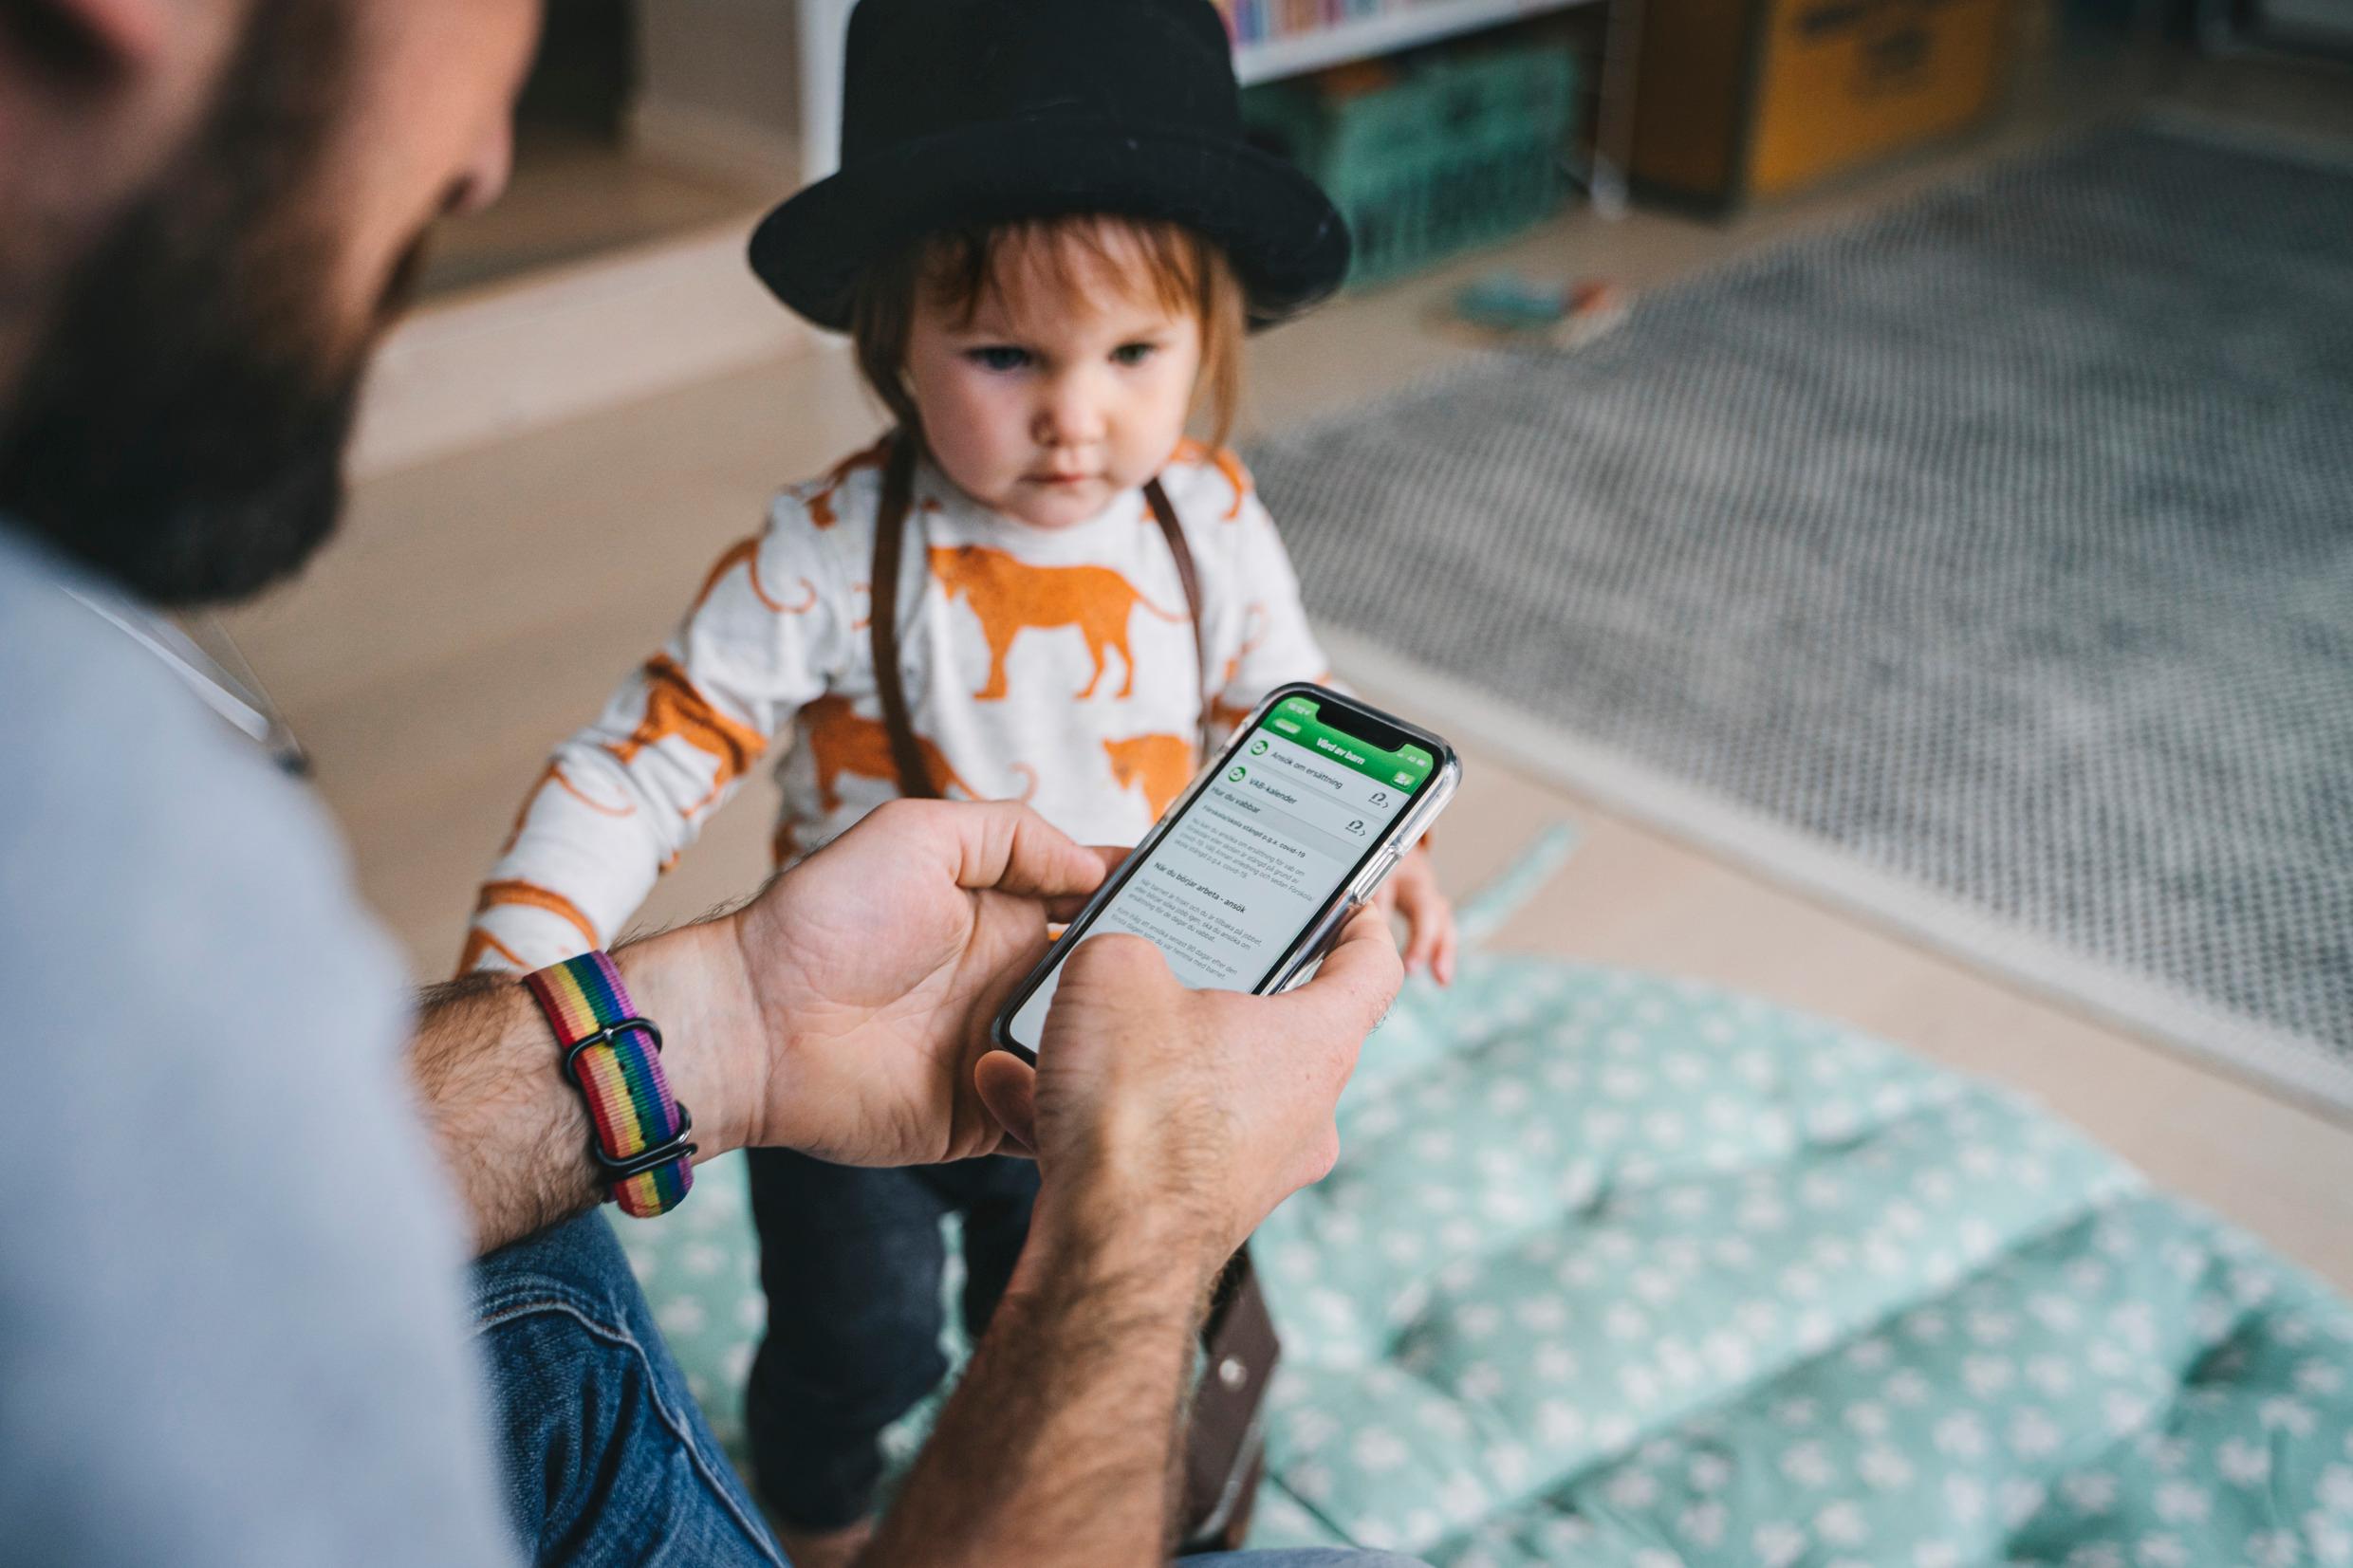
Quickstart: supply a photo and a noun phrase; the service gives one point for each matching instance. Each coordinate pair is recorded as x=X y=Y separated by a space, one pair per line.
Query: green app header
x=1296 y=720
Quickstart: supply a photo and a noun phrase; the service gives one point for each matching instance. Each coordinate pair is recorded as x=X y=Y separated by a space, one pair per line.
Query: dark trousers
x=850 y=1259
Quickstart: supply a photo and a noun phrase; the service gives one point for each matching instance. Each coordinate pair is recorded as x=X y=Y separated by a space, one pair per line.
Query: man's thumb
x=1008 y=1087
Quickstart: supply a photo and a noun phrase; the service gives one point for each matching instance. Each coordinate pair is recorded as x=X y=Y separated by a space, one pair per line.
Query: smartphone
x=1247 y=878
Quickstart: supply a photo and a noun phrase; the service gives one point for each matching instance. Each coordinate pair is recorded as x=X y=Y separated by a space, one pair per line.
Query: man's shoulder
x=239 y=1237
x=159 y=875
x=127 y=802
x=73 y=680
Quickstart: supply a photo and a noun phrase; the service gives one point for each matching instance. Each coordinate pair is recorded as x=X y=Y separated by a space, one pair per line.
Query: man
x=233 y=1324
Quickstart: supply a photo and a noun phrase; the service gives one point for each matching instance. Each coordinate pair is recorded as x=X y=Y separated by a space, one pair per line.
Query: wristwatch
x=639 y=1139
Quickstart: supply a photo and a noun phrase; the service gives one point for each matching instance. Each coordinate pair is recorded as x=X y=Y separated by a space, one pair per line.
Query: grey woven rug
x=1989 y=565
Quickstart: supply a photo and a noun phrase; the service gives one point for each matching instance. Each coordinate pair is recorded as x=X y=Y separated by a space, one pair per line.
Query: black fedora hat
x=958 y=113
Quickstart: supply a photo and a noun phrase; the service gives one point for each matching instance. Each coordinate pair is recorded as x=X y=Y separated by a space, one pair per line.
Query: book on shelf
x=1261 y=21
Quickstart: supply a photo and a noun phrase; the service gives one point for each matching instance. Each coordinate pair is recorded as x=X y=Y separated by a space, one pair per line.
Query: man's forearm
x=1057 y=1445
x=514 y=1135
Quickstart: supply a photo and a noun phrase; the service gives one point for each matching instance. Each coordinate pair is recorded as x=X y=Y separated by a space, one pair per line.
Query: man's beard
x=182 y=425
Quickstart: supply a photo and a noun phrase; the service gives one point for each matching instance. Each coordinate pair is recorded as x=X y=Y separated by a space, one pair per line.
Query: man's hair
x=957 y=269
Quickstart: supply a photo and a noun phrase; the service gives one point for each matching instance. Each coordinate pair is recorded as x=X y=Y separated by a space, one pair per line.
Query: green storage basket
x=1461 y=151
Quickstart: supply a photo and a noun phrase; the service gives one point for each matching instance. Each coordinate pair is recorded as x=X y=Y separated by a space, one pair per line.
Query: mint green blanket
x=1619 y=1270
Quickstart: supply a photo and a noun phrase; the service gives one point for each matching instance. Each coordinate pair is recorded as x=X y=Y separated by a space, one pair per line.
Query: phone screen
x=1225 y=891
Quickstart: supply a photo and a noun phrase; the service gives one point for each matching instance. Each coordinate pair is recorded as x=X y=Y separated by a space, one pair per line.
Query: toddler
x=1044 y=241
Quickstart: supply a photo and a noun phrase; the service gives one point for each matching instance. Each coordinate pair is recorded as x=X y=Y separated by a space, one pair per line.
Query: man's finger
x=1067 y=906
x=1357 y=981
x=1133 y=964
x=1008 y=1087
x=1004 y=845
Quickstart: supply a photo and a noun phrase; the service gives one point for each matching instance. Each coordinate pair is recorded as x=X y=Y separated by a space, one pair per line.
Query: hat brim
x=1287 y=243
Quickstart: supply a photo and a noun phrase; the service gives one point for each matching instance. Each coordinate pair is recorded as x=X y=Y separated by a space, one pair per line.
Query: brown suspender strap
x=1173 y=531
x=890 y=678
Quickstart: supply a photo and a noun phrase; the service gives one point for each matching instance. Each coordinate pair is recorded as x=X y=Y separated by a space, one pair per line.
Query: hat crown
x=918 y=69
x=963 y=113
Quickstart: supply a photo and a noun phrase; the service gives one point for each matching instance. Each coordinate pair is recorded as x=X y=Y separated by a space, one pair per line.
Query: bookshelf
x=1383 y=27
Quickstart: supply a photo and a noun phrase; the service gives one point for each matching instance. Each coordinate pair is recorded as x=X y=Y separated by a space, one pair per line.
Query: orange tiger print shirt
x=1051 y=666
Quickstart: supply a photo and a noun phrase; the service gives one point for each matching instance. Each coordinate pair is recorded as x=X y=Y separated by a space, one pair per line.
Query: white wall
x=719 y=85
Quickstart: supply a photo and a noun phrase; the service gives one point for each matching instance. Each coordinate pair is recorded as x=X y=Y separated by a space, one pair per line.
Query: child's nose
x=1071 y=414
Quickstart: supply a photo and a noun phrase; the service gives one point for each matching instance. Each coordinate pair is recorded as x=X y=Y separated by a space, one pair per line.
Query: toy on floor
x=1569 y=315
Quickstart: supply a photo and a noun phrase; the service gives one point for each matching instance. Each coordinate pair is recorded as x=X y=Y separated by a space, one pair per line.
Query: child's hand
x=1412 y=891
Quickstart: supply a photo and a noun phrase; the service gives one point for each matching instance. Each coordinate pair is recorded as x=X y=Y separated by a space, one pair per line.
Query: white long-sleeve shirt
x=1055 y=666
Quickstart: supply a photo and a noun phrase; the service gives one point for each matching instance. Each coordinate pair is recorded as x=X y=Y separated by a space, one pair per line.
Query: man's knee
x=599 y=1434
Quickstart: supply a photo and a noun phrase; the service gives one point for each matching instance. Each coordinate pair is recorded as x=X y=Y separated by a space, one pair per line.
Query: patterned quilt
x=1623 y=1270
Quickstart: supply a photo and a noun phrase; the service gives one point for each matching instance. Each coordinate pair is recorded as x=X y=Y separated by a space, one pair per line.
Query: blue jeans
x=607 y=1459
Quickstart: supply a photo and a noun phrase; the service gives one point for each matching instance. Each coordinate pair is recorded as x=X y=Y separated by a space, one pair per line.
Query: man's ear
x=131 y=29
x=96 y=41
x=95 y=37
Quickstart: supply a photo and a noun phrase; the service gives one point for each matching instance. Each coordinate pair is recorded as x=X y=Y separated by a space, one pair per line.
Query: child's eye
x=1133 y=353
x=998 y=357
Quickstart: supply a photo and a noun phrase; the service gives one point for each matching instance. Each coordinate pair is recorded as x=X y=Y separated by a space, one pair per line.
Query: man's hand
x=839 y=1013
x=875 y=964
x=1167 y=1123
x=1189 y=1114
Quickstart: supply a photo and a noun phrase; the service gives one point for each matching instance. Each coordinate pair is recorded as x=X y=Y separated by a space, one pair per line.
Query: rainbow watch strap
x=614 y=1057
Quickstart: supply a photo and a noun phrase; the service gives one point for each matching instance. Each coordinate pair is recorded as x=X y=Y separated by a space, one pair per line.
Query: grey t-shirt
x=232 y=1333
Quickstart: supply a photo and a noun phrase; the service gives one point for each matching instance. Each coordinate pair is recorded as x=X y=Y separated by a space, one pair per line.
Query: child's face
x=1051 y=400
